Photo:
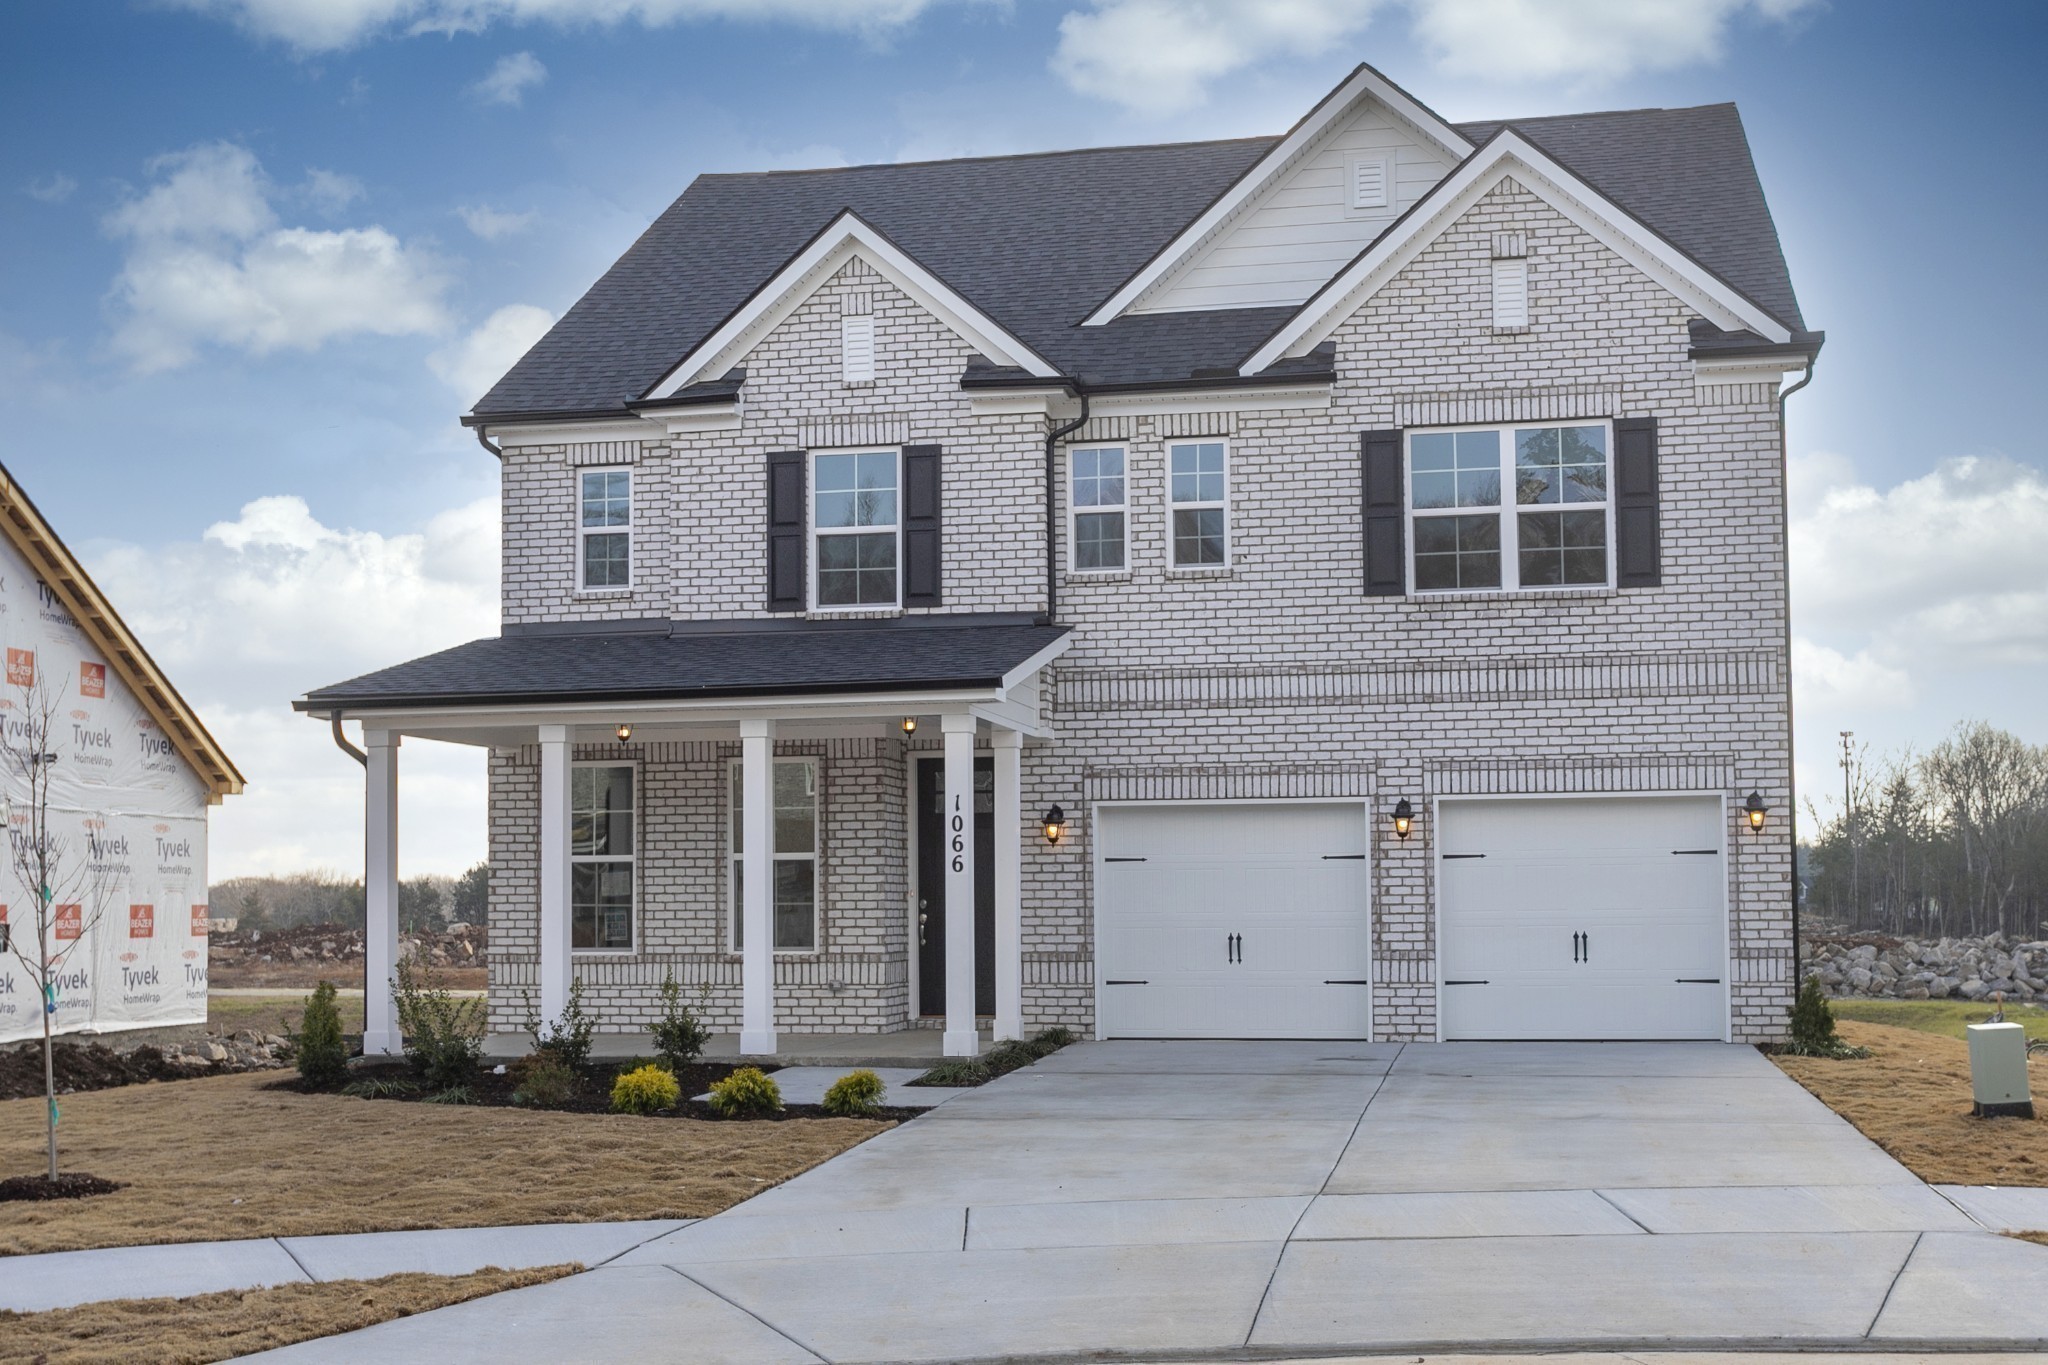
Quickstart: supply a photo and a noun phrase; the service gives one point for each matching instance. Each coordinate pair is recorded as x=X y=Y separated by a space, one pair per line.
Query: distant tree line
x=424 y=903
x=1953 y=842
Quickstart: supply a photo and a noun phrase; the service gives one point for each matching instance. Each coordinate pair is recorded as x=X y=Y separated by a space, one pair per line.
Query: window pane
x=1197 y=473
x=1583 y=452
x=796 y=921
x=1099 y=540
x=1559 y=548
x=796 y=808
x=601 y=905
x=607 y=498
x=739 y=914
x=1460 y=469
x=738 y=808
x=1098 y=478
x=1561 y=464
x=1478 y=463
x=1457 y=552
x=606 y=562
x=1198 y=536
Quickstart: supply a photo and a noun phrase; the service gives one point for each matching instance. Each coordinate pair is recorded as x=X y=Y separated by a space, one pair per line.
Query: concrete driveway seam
x=1893 y=1287
x=295 y=1260
x=645 y=1241
x=810 y=1350
x=1602 y=1196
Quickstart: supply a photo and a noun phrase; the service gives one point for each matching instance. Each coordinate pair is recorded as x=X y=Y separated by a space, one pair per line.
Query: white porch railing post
x=380 y=895
x=1009 y=751
x=962 y=1038
x=757 y=878
x=556 y=971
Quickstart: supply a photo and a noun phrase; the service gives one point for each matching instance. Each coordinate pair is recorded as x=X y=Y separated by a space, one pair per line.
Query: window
x=853 y=520
x=1466 y=538
x=606 y=529
x=857 y=349
x=1200 y=520
x=601 y=857
x=1096 y=492
x=795 y=910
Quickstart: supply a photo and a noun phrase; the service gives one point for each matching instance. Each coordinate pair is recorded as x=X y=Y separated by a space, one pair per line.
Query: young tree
x=420 y=907
x=472 y=896
x=66 y=893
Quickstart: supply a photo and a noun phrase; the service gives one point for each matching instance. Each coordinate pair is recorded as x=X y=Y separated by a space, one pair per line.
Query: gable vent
x=1369 y=183
x=857 y=349
x=1511 y=295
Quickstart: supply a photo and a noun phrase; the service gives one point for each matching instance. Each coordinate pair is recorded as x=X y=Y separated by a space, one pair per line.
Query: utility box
x=1998 y=1071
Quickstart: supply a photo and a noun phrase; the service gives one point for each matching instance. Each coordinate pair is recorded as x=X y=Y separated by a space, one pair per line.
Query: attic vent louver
x=1511 y=294
x=857 y=349
x=1368 y=183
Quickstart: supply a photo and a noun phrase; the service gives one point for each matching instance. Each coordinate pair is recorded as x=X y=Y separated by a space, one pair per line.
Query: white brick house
x=1232 y=498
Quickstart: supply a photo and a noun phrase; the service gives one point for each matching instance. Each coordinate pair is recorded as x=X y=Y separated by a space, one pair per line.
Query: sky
x=261 y=254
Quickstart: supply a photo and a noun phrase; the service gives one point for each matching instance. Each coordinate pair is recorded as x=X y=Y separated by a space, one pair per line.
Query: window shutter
x=921 y=577
x=1638 y=552
x=786 y=588
x=1386 y=559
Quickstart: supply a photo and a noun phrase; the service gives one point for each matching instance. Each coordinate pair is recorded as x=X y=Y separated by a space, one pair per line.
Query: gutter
x=1052 y=556
x=1791 y=771
x=483 y=440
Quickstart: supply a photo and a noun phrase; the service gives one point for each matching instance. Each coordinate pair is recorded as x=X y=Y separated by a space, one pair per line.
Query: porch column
x=1009 y=750
x=757 y=879
x=556 y=972
x=961 y=1039
x=380 y=895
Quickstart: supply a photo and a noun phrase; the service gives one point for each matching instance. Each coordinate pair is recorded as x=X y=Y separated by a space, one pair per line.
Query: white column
x=1009 y=747
x=556 y=972
x=961 y=1040
x=757 y=876
x=380 y=895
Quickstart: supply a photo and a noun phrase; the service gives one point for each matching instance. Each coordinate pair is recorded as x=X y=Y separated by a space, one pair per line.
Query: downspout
x=485 y=442
x=341 y=742
x=1052 y=561
x=1791 y=771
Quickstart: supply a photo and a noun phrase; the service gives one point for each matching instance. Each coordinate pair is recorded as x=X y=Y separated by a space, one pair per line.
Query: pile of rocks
x=1851 y=964
x=81 y=1065
x=243 y=1050
x=460 y=945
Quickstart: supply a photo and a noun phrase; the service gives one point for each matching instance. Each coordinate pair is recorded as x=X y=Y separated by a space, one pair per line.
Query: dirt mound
x=67 y=1185
x=95 y=1066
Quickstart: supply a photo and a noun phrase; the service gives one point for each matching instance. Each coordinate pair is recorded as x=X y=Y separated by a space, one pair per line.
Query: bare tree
x=67 y=894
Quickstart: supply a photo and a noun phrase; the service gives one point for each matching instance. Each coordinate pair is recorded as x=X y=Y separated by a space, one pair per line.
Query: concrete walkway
x=1214 y=1200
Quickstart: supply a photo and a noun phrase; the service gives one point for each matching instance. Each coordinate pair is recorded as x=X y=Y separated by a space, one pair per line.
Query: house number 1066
x=959 y=840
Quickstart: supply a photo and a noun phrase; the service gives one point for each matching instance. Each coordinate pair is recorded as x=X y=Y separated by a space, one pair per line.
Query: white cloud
x=331 y=25
x=330 y=191
x=471 y=365
x=510 y=79
x=209 y=262
x=491 y=224
x=274 y=603
x=1825 y=679
x=1159 y=56
x=54 y=189
x=1592 y=40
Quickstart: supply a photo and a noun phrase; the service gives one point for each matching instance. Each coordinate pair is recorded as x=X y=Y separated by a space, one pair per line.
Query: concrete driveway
x=1226 y=1200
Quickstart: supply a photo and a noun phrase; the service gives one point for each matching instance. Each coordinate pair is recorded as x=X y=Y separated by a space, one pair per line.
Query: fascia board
x=1300 y=139
x=692 y=711
x=1509 y=154
x=1308 y=396
x=846 y=236
x=573 y=433
x=1037 y=661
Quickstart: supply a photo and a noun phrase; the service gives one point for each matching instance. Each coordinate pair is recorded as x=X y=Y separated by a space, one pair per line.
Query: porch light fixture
x=1055 y=822
x=1756 y=810
x=1404 y=818
x=910 y=725
x=625 y=731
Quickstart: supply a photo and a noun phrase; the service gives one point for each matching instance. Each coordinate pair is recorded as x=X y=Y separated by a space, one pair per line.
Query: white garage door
x=1599 y=918
x=1233 y=921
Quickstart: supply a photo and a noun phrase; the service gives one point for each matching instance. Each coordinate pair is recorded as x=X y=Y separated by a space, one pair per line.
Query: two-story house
x=1328 y=585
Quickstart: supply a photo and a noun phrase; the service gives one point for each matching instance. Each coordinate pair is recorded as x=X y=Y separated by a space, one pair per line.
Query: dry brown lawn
x=1912 y=1098
x=224 y=1158
x=221 y=1326
x=274 y=1013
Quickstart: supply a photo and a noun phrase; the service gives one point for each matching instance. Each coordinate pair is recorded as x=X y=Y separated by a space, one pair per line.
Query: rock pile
x=460 y=945
x=82 y=1066
x=1852 y=964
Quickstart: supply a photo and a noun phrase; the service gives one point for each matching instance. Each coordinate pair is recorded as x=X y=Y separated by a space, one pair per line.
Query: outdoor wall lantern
x=1756 y=810
x=1404 y=818
x=1055 y=822
x=910 y=725
x=625 y=731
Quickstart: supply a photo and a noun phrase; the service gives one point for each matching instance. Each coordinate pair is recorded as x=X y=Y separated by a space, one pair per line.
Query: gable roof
x=53 y=562
x=1038 y=242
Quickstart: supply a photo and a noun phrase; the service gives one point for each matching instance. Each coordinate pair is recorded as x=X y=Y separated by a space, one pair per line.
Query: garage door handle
x=1468 y=983
x=1699 y=980
x=1682 y=852
x=1126 y=983
x=1347 y=983
x=1123 y=860
x=1464 y=855
x=1343 y=857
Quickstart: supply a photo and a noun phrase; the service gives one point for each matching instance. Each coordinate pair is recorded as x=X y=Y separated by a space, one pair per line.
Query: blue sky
x=261 y=254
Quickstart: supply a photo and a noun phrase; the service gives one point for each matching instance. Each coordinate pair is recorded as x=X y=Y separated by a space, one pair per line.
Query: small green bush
x=542 y=1081
x=566 y=1039
x=1813 y=1027
x=645 y=1090
x=957 y=1071
x=745 y=1093
x=444 y=1034
x=382 y=1088
x=857 y=1094
x=679 y=1035
x=999 y=1060
x=1053 y=1039
x=454 y=1094
x=321 y=1053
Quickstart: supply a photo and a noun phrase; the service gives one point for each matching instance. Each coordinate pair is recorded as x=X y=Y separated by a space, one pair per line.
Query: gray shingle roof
x=1039 y=241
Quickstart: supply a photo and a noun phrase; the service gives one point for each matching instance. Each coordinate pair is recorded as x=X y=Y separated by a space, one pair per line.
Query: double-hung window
x=601 y=856
x=1510 y=507
x=605 y=529
x=1197 y=488
x=854 y=524
x=1096 y=494
x=794 y=894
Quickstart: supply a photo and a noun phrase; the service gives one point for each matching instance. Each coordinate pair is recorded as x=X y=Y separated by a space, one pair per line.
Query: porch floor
x=918 y=1047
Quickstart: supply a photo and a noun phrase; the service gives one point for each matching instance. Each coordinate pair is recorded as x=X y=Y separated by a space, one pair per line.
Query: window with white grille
x=1511 y=295
x=857 y=349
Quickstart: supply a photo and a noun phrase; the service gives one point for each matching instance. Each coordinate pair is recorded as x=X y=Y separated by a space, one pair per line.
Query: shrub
x=1053 y=1039
x=956 y=1071
x=444 y=1035
x=322 y=1055
x=542 y=1081
x=857 y=1094
x=999 y=1060
x=567 y=1038
x=382 y=1088
x=645 y=1090
x=679 y=1035
x=454 y=1094
x=1813 y=1027
x=745 y=1093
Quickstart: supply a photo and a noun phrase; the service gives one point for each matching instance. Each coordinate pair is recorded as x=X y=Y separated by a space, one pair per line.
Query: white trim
x=1362 y=83
x=735 y=912
x=726 y=416
x=1747 y=369
x=633 y=945
x=1507 y=511
x=1173 y=565
x=1509 y=154
x=1122 y=508
x=846 y=237
x=814 y=561
x=586 y=431
x=584 y=533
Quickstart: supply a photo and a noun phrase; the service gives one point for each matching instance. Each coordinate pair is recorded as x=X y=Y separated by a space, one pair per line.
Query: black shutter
x=1386 y=558
x=786 y=591
x=1638 y=553
x=921 y=577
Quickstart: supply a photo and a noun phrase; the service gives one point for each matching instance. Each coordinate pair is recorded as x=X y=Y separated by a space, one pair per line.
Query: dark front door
x=931 y=885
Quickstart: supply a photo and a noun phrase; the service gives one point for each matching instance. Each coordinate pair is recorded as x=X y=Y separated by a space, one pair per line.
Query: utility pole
x=1849 y=825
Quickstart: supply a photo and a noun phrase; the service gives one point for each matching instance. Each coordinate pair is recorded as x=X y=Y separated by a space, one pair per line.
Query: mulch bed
x=67 y=1185
x=92 y=1067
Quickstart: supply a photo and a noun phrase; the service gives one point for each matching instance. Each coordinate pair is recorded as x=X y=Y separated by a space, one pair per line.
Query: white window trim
x=1173 y=564
x=812 y=533
x=733 y=856
x=1508 y=511
x=583 y=533
x=1075 y=512
x=639 y=804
